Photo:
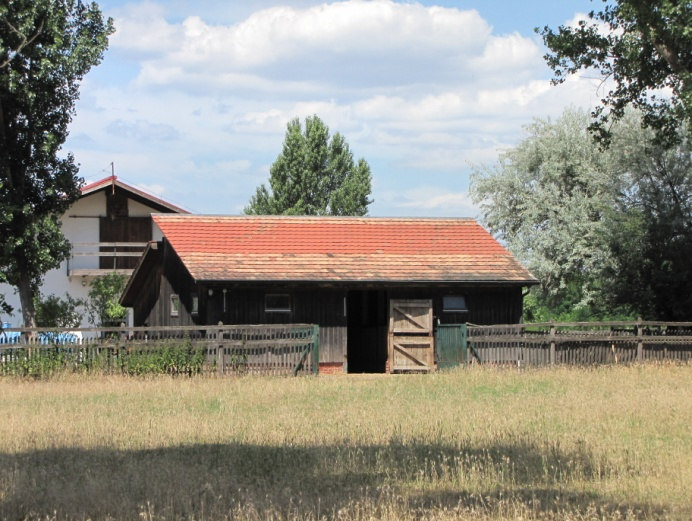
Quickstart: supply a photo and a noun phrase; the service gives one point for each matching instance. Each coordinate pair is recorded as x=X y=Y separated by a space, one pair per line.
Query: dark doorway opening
x=367 y=323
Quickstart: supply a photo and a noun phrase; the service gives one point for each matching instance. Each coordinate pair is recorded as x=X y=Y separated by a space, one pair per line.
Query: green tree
x=607 y=232
x=46 y=48
x=650 y=232
x=314 y=175
x=103 y=303
x=644 y=46
x=53 y=311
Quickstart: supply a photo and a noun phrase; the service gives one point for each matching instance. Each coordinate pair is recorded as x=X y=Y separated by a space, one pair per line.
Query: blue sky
x=192 y=98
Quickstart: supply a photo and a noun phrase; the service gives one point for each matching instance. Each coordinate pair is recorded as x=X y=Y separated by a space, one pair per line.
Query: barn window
x=175 y=305
x=277 y=303
x=454 y=304
x=195 y=305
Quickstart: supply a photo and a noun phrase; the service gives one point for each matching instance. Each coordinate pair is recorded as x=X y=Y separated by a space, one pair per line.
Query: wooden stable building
x=377 y=287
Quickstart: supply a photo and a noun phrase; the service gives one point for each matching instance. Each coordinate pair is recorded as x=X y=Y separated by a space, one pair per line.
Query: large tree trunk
x=26 y=298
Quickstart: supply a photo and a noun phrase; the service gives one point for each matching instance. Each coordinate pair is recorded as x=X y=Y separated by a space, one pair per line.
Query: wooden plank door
x=451 y=345
x=411 y=335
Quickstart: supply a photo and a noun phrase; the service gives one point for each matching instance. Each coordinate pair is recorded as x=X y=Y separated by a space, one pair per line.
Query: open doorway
x=367 y=317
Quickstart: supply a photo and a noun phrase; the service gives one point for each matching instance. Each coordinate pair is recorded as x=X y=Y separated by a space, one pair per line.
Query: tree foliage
x=644 y=46
x=606 y=232
x=54 y=311
x=103 y=304
x=314 y=175
x=46 y=48
x=650 y=225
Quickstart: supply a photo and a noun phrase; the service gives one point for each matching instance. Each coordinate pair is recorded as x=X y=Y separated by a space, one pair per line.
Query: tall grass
x=603 y=443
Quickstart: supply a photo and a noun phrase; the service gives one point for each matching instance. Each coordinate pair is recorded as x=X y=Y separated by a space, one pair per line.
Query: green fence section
x=451 y=346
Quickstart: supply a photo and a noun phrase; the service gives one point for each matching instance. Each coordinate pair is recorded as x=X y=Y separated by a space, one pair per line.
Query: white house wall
x=137 y=209
x=80 y=224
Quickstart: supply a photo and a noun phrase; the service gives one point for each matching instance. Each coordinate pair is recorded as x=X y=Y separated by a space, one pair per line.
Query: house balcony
x=95 y=259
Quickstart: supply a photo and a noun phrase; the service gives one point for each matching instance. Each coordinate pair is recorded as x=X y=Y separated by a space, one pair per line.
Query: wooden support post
x=220 y=358
x=316 y=350
x=640 y=341
x=552 y=344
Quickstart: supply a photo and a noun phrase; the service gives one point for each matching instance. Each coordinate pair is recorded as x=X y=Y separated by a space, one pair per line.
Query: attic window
x=454 y=304
x=175 y=305
x=277 y=303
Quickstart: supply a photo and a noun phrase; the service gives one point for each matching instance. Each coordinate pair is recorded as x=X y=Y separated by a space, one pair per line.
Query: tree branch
x=24 y=41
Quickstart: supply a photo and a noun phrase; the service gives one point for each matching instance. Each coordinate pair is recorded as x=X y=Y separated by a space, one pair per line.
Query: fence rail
x=262 y=349
x=580 y=343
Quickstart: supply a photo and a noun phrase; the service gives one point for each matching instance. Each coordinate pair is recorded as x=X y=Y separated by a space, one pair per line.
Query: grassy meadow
x=601 y=443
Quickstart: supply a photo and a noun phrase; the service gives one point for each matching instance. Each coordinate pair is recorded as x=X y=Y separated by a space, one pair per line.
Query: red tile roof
x=338 y=249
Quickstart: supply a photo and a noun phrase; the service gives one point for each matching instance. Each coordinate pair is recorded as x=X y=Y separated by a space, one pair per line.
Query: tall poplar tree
x=46 y=48
x=314 y=175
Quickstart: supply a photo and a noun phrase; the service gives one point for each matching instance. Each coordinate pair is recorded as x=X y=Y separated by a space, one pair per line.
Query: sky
x=192 y=98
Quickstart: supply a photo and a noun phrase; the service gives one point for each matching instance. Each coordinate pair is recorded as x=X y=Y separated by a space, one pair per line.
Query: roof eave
x=103 y=184
x=152 y=249
x=480 y=282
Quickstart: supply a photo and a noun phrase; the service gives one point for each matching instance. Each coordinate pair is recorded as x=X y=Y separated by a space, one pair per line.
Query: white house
x=108 y=226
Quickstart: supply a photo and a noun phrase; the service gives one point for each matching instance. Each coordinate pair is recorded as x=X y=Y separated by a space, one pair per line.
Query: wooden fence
x=263 y=349
x=580 y=343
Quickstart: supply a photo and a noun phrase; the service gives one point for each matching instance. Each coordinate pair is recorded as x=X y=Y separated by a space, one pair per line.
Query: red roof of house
x=114 y=181
x=281 y=248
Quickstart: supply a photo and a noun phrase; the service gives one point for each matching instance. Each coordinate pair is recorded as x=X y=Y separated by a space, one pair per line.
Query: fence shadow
x=289 y=482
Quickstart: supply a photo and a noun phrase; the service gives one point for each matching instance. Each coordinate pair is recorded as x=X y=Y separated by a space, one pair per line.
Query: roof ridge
x=353 y=218
x=113 y=180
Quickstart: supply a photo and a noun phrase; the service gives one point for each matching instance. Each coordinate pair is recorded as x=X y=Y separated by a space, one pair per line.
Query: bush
x=172 y=358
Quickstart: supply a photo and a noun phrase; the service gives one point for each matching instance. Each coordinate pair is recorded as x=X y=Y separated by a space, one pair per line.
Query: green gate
x=450 y=345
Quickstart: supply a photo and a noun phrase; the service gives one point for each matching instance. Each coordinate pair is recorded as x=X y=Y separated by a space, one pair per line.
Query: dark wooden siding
x=242 y=305
x=486 y=305
x=168 y=277
x=118 y=226
x=148 y=296
x=116 y=203
x=352 y=318
x=123 y=229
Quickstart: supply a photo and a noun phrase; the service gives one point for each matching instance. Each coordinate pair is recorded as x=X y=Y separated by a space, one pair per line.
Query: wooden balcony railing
x=92 y=259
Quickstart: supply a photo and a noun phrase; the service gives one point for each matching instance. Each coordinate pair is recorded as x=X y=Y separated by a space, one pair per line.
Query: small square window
x=175 y=305
x=277 y=303
x=454 y=304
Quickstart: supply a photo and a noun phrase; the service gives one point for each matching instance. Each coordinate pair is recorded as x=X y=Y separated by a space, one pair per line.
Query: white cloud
x=419 y=92
x=432 y=200
x=142 y=130
x=143 y=29
x=354 y=43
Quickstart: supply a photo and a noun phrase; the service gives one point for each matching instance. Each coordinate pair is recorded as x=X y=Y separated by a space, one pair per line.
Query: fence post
x=220 y=358
x=640 y=340
x=552 y=343
x=122 y=336
x=464 y=342
x=315 y=349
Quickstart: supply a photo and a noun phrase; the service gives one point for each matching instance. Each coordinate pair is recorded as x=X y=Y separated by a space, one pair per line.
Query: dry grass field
x=609 y=443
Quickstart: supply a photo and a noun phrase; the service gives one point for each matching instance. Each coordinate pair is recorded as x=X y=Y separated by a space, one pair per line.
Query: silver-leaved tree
x=605 y=231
